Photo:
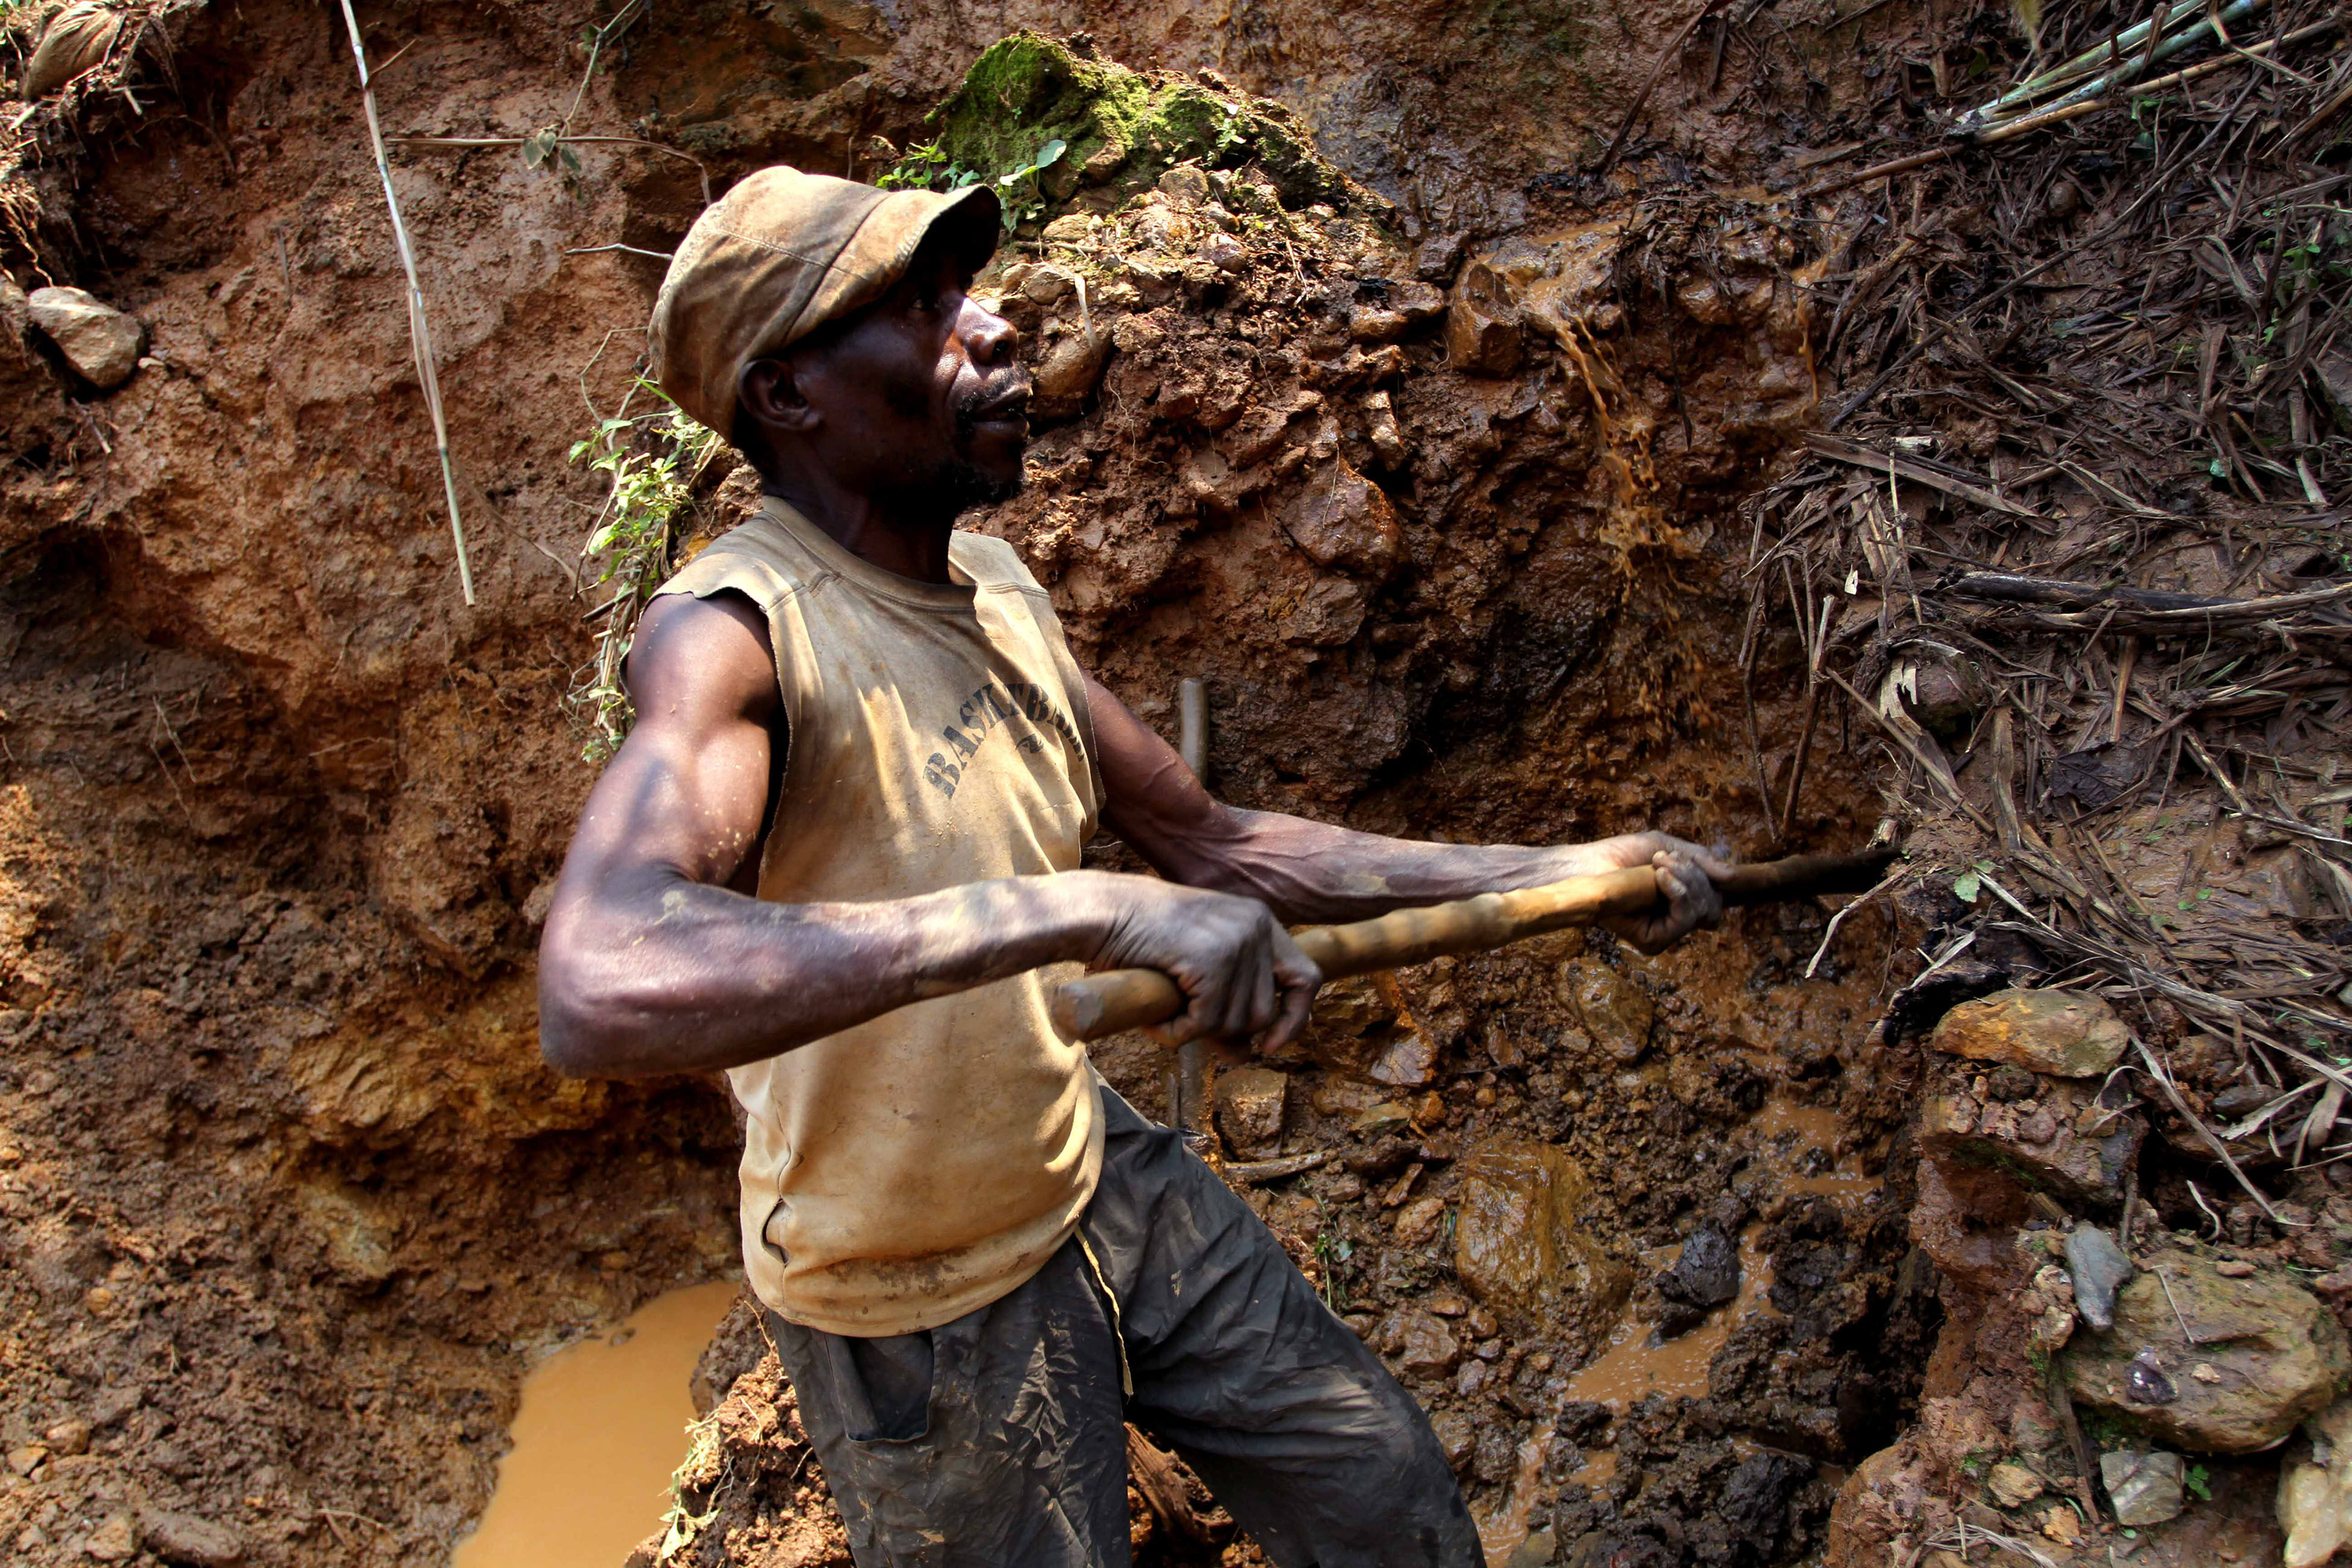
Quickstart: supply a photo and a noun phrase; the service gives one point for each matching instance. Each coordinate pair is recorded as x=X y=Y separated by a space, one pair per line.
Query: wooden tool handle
x=1116 y=999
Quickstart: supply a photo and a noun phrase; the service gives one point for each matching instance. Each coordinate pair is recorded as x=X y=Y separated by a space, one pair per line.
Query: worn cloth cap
x=777 y=257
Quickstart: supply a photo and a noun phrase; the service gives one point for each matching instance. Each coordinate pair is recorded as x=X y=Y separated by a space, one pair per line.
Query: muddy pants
x=998 y=1440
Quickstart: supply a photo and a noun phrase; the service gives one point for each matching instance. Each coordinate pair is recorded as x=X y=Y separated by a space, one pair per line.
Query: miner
x=838 y=859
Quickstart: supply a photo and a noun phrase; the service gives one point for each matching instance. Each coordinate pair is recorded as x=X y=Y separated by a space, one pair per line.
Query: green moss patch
x=1115 y=126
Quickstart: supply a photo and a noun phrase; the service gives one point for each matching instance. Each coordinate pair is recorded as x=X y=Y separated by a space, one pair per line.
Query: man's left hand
x=1686 y=876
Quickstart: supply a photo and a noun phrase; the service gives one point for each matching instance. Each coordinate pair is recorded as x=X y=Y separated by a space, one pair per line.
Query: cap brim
x=973 y=218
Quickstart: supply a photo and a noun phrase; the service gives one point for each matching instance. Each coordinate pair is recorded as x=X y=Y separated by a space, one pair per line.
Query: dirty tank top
x=920 y=1166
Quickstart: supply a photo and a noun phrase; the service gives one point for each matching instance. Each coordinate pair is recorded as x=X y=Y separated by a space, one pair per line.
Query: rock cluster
x=2209 y=1363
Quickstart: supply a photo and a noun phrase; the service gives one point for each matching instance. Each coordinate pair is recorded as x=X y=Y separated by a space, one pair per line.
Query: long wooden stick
x=1105 y=1003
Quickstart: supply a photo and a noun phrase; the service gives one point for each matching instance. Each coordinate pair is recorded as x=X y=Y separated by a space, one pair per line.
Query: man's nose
x=989 y=338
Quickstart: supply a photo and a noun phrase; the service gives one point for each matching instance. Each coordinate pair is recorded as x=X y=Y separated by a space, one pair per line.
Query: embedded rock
x=1705 y=1276
x=1615 y=1012
x=2265 y=1353
x=1483 y=336
x=1249 y=1109
x=2097 y=1267
x=2144 y=1487
x=190 y=1541
x=2065 y=1033
x=2315 y=1494
x=1062 y=383
x=1421 y=1344
x=115 y=1540
x=1417 y=1223
x=100 y=342
x=1345 y=521
x=2013 y=1485
x=1515 y=1244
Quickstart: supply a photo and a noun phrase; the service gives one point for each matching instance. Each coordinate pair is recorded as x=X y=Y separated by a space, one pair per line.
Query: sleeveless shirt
x=917 y=1166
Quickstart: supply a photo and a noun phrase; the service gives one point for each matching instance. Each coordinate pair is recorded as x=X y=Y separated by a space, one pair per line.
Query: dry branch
x=420 y=330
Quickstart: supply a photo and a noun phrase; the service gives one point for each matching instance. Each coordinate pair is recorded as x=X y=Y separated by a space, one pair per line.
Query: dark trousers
x=999 y=1439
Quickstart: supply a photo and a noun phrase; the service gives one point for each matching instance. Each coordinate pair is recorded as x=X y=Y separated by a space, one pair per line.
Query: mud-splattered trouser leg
x=998 y=1439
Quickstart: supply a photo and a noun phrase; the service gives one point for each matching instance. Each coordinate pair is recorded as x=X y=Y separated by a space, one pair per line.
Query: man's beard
x=955 y=484
x=964 y=484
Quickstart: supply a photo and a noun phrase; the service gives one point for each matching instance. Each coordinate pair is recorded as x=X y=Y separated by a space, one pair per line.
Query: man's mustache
x=1006 y=397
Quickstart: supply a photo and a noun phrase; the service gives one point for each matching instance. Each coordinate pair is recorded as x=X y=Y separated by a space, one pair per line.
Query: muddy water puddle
x=1798 y=1146
x=601 y=1427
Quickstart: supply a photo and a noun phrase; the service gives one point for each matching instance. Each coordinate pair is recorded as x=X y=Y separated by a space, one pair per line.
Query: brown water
x=602 y=1427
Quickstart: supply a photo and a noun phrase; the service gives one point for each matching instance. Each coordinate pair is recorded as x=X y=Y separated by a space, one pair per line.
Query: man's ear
x=770 y=394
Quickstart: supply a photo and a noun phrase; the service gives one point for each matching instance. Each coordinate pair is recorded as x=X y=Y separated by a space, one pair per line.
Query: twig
x=420 y=331
x=633 y=251
x=1936 y=771
x=2187 y=1338
x=461 y=144
x=1657 y=73
x=1877 y=171
x=1838 y=918
x=2172 y=1093
x=1253 y=1173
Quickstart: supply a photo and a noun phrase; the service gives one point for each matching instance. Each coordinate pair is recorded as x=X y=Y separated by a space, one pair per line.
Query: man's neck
x=897 y=539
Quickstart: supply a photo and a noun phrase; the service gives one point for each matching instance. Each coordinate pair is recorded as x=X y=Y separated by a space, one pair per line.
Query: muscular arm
x=651 y=964
x=1311 y=871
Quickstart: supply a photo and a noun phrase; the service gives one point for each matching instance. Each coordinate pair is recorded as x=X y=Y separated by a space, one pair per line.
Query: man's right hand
x=1242 y=976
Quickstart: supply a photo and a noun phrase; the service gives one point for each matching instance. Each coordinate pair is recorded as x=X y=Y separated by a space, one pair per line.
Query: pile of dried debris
x=2068 y=551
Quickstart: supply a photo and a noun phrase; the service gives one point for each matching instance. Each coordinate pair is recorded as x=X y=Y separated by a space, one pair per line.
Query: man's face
x=921 y=395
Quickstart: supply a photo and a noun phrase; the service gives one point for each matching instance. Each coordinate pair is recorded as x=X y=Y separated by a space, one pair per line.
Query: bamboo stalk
x=2112 y=53
x=1105 y=1003
x=420 y=331
x=2042 y=119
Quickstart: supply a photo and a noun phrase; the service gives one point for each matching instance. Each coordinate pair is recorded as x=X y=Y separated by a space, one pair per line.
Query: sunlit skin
x=657 y=960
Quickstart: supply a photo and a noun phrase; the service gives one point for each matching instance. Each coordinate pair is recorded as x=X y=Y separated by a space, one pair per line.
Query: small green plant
x=1332 y=1251
x=1021 y=197
x=926 y=167
x=2199 y=1484
x=920 y=170
x=1970 y=882
x=653 y=459
x=680 y=1524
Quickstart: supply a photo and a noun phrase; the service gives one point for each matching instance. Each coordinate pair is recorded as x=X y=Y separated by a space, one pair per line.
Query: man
x=839 y=859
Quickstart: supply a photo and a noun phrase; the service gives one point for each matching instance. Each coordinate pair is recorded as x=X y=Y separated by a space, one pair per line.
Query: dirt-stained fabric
x=777 y=257
x=901 y=1173
x=999 y=1439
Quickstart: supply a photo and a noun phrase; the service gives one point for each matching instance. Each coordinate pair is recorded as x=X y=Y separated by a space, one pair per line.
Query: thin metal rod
x=1192 y=725
x=1190 y=1110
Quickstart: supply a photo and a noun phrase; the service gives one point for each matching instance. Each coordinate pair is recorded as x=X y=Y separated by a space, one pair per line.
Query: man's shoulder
x=702 y=653
x=992 y=563
x=754 y=559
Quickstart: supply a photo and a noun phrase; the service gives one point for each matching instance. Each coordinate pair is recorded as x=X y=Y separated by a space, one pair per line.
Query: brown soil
x=288 y=1202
